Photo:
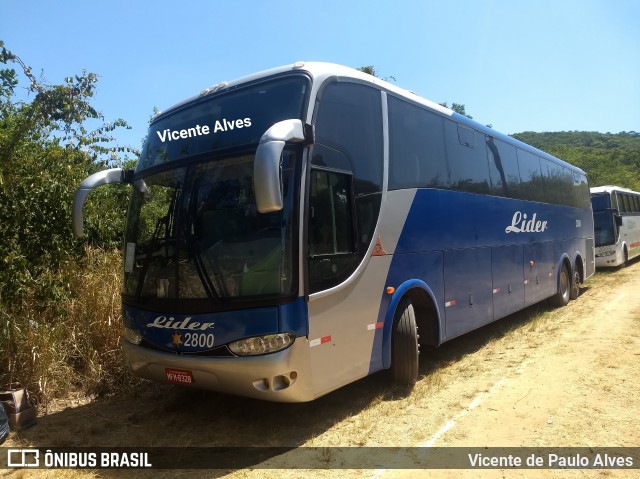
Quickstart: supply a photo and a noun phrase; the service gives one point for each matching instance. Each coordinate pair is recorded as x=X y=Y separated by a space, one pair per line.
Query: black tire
x=404 y=345
x=625 y=258
x=575 y=285
x=564 y=291
x=4 y=425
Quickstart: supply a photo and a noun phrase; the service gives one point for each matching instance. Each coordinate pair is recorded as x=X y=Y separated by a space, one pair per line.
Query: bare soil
x=543 y=377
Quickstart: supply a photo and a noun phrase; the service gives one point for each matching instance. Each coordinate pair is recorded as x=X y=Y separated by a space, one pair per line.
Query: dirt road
x=543 y=377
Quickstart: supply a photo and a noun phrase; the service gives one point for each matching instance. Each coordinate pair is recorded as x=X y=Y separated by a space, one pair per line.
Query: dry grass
x=593 y=404
x=73 y=344
x=96 y=323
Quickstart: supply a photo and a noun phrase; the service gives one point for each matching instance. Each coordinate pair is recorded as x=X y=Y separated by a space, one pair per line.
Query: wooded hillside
x=608 y=159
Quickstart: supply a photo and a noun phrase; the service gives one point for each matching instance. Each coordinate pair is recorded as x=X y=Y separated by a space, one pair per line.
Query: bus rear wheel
x=575 y=285
x=404 y=345
x=564 y=292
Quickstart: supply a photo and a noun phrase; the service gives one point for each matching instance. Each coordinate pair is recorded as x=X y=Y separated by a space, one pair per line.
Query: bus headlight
x=262 y=344
x=134 y=337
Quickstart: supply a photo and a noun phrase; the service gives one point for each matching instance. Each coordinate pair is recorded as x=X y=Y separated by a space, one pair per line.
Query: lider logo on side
x=520 y=224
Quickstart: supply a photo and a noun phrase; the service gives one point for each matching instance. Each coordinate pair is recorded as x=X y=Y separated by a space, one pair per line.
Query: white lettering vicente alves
x=198 y=130
x=225 y=125
x=185 y=133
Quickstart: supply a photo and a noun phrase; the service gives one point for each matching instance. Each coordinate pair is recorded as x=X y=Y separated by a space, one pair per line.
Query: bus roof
x=320 y=71
x=610 y=189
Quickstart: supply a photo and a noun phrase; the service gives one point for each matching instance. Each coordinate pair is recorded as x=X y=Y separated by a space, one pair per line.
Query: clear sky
x=534 y=65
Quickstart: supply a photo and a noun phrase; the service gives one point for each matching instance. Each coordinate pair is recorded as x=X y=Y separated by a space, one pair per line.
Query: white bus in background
x=616 y=214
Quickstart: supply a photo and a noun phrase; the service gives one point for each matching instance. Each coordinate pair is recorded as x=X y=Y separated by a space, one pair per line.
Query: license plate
x=180 y=376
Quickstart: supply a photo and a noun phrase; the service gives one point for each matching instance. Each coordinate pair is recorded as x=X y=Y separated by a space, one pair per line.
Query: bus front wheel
x=625 y=258
x=404 y=345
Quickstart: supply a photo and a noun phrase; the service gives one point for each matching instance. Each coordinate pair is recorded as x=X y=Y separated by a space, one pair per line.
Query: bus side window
x=332 y=255
x=349 y=138
x=416 y=147
x=532 y=181
x=468 y=166
x=503 y=168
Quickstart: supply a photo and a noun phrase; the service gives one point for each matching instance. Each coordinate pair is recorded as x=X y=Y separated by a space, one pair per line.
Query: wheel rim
x=576 y=284
x=564 y=283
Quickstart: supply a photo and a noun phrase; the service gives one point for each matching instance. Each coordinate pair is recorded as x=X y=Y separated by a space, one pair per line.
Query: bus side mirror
x=114 y=175
x=266 y=170
x=618 y=220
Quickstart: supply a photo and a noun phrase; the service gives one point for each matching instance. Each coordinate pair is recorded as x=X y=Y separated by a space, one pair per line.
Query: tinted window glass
x=330 y=219
x=331 y=248
x=229 y=119
x=416 y=142
x=330 y=158
x=558 y=183
x=570 y=196
x=468 y=166
x=601 y=201
x=581 y=190
x=604 y=228
x=367 y=206
x=551 y=178
x=195 y=233
x=350 y=120
x=621 y=205
x=503 y=167
x=532 y=187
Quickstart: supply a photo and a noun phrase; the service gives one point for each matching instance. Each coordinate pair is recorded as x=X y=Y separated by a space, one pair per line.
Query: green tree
x=46 y=149
x=370 y=69
x=608 y=159
x=56 y=298
x=458 y=108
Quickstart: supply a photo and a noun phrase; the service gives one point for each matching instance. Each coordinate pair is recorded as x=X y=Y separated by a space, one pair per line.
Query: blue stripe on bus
x=442 y=220
x=293 y=317
x=479 y=250
x=158 y=328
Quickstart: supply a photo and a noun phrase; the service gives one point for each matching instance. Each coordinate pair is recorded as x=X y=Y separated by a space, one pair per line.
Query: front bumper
x=284 y=376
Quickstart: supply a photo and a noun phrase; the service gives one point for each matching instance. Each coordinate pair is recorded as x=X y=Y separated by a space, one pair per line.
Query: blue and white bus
x=616 y=216
x=291 y=232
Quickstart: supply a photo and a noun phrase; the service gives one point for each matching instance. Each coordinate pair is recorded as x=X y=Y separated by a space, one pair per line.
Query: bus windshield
x=195 y=233
x=601 y=201
x=604 y=228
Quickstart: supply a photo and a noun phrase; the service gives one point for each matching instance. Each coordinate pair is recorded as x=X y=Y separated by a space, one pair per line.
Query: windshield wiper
x=154 y=243
x=194 y=249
